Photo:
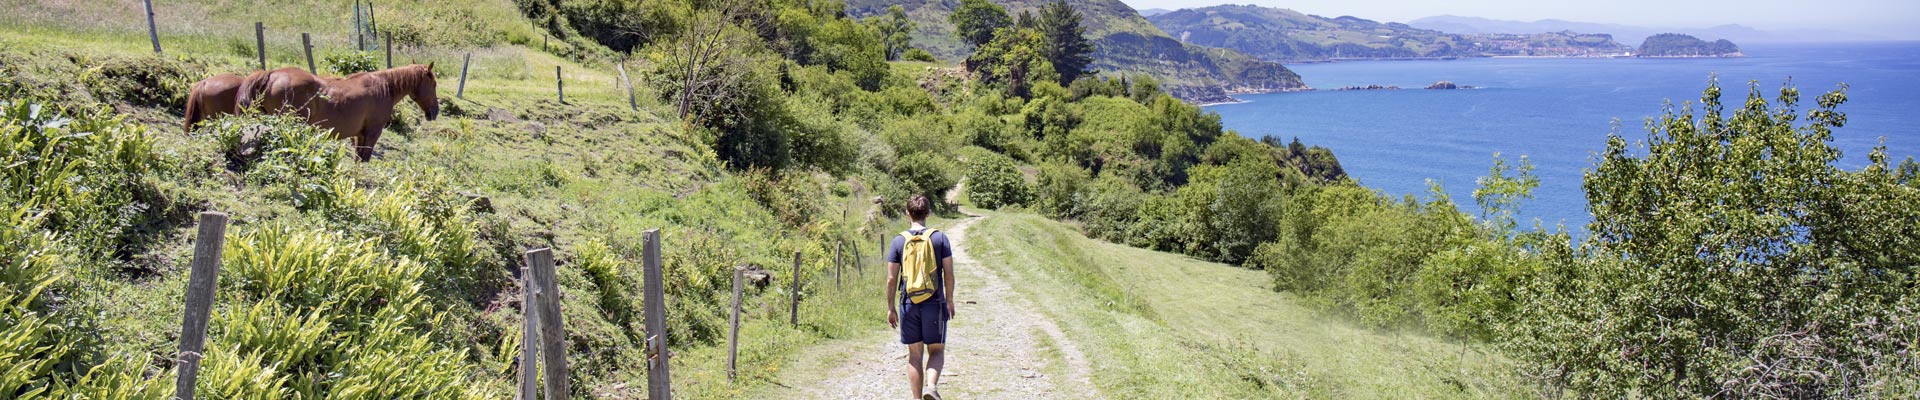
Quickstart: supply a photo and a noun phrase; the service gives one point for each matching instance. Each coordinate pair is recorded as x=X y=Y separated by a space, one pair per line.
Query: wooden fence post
x=462 y=91
x=629 y=84
x=560 y=86
x=793 y=309
x=659 y=383
x=733 y=337
x=153 y=31
x=529 y=336
x=359 y=30
x=260 y=43
x=553 y=338
x=373 y=24
x=306 y=44
x=203 y=278
x=389 y=38
x=837 y=261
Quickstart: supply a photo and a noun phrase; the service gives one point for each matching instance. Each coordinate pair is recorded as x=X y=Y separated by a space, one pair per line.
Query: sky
x=1895 y=19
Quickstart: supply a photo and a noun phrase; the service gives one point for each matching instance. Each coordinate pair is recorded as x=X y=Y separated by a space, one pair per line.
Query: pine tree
x=1067 y=45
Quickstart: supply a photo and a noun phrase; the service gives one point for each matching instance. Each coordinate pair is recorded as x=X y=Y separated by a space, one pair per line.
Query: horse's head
x=425 y=92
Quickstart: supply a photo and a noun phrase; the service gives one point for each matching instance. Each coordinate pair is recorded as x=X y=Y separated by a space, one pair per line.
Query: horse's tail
x=252 y=89
x=195 y=113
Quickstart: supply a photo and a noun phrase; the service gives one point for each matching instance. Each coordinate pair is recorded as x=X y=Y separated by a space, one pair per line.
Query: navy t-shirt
x=941 y=250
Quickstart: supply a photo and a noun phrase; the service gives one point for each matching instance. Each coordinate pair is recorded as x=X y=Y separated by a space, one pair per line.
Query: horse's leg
x=370 y=135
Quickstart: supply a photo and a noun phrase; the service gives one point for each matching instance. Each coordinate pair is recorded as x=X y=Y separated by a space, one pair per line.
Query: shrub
x=1349 y=248
x=355 y=323
x=927 y=173
x=1772 y=273
x=351 y=62
x=919 y=54
x=1110 y=207
x=993 y=182
x=1058 y=190
x=85 y=173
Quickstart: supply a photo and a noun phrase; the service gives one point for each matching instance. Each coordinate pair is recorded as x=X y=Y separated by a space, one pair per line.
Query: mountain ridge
x=1125 y=43
x=1286 y=35
x=1734 y=32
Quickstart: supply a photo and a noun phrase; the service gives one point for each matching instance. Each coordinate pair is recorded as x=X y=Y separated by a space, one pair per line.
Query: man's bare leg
x=913 y=370
x=936 y=360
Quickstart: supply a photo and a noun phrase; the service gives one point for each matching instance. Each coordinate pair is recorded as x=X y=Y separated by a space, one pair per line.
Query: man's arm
x=893 y=289
x=946 y=279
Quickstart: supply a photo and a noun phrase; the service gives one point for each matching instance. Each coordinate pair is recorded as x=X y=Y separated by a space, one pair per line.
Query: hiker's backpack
x=918 y=264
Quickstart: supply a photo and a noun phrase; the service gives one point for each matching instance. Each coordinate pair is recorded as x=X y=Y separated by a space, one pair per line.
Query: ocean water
x=1558 y=112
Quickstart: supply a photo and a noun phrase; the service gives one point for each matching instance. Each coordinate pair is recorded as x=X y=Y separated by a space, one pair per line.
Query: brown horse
x=279 y=91
x=213 y=97
x=358 y=106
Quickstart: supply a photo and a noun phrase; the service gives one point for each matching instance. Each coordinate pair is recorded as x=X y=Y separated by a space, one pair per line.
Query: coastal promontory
x=1674 y=45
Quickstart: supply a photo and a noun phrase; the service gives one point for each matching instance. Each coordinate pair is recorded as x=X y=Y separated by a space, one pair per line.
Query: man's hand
x=950 y=310
x=893 y=318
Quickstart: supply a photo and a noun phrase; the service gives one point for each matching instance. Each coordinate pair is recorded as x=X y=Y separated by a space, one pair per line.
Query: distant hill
x=1154 y=11
x=1287 y=35
x=1476 y=25
x=1674 y=45
x=1125 y=43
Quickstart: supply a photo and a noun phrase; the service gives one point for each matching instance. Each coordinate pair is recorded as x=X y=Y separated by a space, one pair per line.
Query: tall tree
x=895 y=30
x=1014 y=60
x=1067 y=45
x=976 y=20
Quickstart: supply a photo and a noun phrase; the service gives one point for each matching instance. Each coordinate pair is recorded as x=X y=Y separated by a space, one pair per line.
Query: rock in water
x=1443 y=85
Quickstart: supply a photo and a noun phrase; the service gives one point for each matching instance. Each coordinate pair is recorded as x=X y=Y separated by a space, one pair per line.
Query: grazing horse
x=216 y=96
x=279 y=91
x=358 y=106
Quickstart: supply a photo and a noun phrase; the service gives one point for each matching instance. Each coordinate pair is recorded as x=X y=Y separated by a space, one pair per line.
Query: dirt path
x=999 y=346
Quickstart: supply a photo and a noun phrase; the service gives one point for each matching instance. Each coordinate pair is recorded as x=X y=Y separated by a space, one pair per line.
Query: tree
x=1067 y=45
x=1014 y=60
x=711 y=62
x=1729 y=257
x=895 y=30
x=975 y=21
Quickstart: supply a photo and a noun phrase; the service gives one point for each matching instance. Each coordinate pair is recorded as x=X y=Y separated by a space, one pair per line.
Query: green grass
x=1161 y=325
x=569 y=176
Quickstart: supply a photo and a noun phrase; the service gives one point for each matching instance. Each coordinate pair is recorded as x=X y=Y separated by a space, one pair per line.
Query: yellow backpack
x=918 y=264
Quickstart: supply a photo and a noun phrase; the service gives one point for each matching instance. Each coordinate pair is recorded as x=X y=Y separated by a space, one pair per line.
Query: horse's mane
x=402 y=80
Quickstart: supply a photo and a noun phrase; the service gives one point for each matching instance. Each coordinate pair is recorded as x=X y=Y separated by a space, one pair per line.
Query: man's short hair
x=918 y=207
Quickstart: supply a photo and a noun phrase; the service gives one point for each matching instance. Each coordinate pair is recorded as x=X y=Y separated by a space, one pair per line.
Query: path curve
x=995 y=347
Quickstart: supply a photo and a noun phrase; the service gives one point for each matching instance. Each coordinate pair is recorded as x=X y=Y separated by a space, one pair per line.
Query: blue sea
x=1558 y=112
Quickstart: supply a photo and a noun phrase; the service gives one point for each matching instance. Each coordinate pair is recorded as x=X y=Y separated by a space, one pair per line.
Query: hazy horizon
x=1883 y=19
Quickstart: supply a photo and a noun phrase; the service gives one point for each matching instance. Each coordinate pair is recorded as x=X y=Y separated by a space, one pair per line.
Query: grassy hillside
x=1125 y=44
x=1286 y=35
x=390 y=279
x=1162 y=325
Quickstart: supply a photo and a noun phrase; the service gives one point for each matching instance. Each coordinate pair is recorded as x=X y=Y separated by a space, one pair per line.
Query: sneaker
x=932 y=394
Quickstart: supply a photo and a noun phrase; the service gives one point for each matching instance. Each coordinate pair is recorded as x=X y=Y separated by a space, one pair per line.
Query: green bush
x=365 y=332
x=351 y=62
x=994 y=182
x=927 y=173
x=918 y=54
x=1729 y=257
x=1349 y=248
x=85 y=173
x=1058 y=190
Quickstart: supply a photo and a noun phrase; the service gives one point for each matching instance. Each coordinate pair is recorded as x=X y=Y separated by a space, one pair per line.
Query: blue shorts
x=923 y=323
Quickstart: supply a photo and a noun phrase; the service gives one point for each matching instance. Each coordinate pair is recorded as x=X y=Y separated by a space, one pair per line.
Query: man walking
x=920 y=266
